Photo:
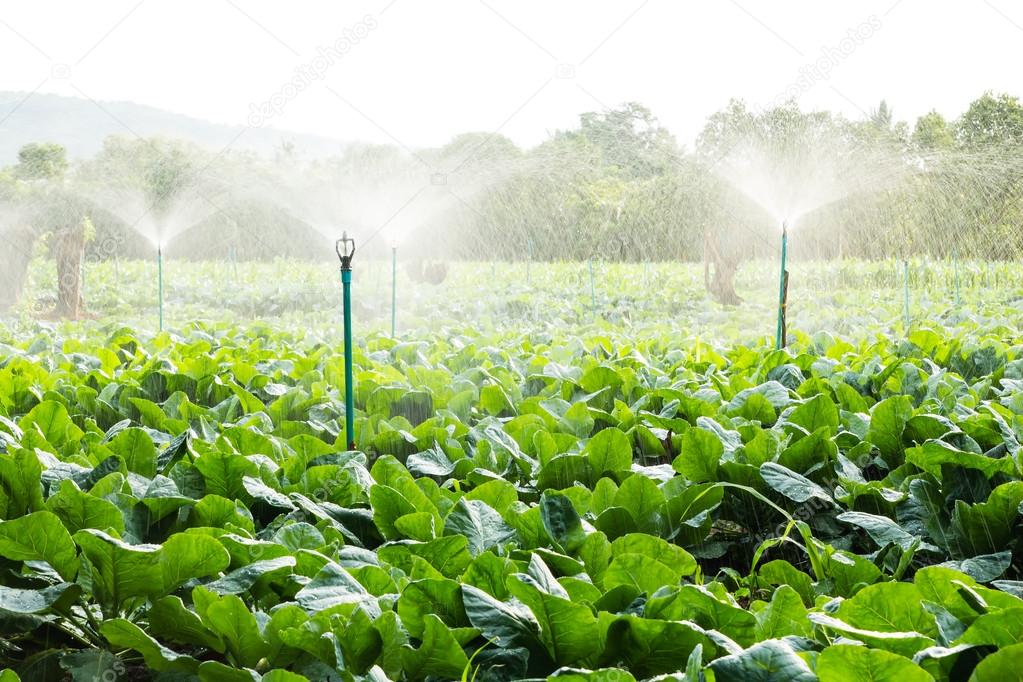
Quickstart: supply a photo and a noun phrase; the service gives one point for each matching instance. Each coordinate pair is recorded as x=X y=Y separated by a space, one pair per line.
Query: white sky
x=429 y=70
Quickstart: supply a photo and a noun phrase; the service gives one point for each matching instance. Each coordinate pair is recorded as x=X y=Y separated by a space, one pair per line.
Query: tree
x=631 y=139
x=991 y=120
x=49 y=206
x=42 y=161
x=932 y=133
x=882 y=117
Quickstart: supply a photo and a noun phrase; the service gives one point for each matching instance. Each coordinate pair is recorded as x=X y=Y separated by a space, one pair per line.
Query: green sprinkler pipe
x=394 y=287
x=159 y=279
x=905 y=291
x=345 y=249
x=783 y=289
x=344 y=305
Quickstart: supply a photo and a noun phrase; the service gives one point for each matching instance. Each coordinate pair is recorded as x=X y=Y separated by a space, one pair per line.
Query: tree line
x=617 y=186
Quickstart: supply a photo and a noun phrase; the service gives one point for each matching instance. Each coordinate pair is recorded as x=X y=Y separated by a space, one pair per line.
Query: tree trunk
x=421 y=272
x=721 y=283
x=15 y=256
x=69 y=250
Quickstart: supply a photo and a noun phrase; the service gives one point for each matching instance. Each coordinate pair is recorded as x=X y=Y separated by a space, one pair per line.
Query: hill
x=81 y=126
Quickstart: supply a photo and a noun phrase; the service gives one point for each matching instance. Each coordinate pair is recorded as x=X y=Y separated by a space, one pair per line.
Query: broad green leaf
x=20 y=476
x=512 y=624
x=700 y=605
x=887 y=422
x=769 y=661
x=882 y=530
x=848 y=663
x=644 y=501
x=935 y=454
x=784 y=615
x=26 y=601
x=700 y=455
x=796 y=487
x=817 y=412
x=655 y=647
x=91 y=665
x=331 y=587
x=171 y=620
x=52 y=421
x=442 y=598
x=887 y=607
x=562 y=522
x=123 y=634
x=1001 y=666
x=136 y=448
x=657 y=549
x=1000 y=628
x=243 y=578
x=78 y=510
x=230 y=619
x=360 y=642
x=609 y=451
x=480 y=524
x=40 y=536
x=640 y=571
x=439 y=655
x=988 y=527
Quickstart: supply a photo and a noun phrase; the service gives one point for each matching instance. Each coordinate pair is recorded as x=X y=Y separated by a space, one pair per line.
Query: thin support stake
x=955 y=270
x=394 y=287
x=159 y=280
x=905 y=292
x=783 y=291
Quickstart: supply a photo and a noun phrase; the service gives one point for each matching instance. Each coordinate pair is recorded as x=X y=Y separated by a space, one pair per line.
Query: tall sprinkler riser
x=159 y=281
x=783 y=290
x=345 y=249
x=905 y=294
x=394 y=289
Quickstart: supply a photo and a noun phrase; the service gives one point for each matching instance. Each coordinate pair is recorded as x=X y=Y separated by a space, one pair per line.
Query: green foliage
x=41 y=161
x=186 y=506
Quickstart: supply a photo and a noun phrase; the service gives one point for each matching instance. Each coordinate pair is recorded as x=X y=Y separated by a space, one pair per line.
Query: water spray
x=783 y=289
x=394 y=286
x=345 y=249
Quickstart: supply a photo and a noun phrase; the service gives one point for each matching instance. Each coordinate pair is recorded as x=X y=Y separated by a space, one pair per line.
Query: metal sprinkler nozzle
x=345 y=249
x=785 y=227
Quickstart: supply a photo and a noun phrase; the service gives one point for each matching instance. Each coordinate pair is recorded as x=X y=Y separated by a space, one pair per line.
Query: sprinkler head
x=785 y=227
x=345 y=249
